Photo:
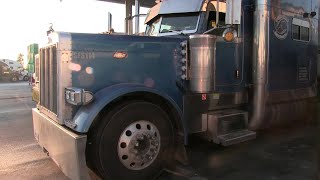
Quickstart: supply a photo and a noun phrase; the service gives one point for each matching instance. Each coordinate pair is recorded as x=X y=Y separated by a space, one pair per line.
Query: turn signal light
x=229 y=35
x=78 y=96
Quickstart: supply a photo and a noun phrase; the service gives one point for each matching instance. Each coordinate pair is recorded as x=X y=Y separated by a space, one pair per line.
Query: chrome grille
x=48 y=78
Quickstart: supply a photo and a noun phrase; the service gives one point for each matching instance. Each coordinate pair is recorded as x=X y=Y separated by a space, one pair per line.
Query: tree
x=20 y=59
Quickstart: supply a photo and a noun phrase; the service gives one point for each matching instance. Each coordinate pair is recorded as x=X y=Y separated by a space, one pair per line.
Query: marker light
x=229 y=34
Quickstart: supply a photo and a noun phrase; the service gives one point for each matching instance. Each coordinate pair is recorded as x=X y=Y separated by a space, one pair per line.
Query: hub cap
x=139 y=145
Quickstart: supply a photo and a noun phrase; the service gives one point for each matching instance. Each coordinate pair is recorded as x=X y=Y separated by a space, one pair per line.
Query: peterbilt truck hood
x=96 y=61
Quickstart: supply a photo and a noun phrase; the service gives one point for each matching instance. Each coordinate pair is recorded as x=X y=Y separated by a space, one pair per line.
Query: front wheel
x=132 y=142
x=26 y=78
x=14 y=79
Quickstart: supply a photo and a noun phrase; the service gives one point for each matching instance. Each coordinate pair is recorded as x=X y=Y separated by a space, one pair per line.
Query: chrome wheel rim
x=139 y=145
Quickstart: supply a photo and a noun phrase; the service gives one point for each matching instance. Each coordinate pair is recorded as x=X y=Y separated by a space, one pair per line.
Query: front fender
x=86 y=114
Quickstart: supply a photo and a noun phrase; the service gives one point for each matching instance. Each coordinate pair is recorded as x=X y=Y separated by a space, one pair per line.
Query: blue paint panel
x=151 y=62
x=296 y=6
x=287 y=57
x=229 y=59
x=247 y=36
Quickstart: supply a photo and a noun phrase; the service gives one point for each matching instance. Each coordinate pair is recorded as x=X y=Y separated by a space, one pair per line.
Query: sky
x=23 y=22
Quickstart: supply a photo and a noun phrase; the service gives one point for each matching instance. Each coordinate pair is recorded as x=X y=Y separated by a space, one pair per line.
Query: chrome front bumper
x=66 y=148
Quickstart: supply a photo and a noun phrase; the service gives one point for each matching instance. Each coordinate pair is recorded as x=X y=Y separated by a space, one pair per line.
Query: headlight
x=229 y=34
x=77 y=96
x=72 y=94
x=67 y=95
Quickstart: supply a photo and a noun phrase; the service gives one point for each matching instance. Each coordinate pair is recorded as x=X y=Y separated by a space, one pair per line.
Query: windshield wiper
x=175 y=31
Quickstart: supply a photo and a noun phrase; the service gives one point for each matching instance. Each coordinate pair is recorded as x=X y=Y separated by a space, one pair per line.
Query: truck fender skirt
x=86 y=114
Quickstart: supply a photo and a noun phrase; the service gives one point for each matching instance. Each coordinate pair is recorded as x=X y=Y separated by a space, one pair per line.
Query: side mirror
x=233 y=13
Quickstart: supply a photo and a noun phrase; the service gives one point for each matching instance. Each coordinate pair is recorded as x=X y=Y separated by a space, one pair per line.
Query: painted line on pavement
x=15 y=110
x=14 y=97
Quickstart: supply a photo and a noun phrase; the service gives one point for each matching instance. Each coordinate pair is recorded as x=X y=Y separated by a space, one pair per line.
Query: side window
x=212 y=22
x=154 y=28
x=304 y=33
x=295 y=32
x=300 y=30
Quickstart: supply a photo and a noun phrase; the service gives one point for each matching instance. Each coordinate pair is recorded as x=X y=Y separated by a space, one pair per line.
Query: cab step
x=228 y=127
x=236 y=137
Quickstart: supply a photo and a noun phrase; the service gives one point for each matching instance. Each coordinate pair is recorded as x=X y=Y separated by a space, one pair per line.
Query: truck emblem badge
x=281 y=27
x=120 y=55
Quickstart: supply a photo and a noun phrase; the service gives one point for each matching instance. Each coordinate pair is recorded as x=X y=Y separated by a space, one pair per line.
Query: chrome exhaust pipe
x=137 y=20
x=109 y=21
x=260 y=61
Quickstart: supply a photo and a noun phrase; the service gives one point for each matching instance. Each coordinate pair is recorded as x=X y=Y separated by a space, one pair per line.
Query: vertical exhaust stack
x=109 y=21
x=128 y=19
x=137 y=20
x=260 y=61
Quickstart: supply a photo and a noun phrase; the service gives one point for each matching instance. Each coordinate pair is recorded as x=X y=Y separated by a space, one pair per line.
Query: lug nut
x=153 y=151
x=140 y=137
x=155 y=143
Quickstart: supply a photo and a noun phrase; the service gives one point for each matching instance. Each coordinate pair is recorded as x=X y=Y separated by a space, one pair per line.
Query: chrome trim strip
x=48 y=113
x=64 y=75
x=300 y=22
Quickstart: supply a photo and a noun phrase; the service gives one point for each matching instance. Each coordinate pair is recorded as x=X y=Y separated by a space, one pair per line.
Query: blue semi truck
x=124 y=106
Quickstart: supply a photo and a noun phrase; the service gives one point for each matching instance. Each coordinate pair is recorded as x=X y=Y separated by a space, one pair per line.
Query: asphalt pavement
x=20 y=156
x=278 y=154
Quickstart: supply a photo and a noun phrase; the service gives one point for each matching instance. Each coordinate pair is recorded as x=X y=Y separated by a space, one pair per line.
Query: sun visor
x=170 y=6
x=153 y=12
x=174 y=7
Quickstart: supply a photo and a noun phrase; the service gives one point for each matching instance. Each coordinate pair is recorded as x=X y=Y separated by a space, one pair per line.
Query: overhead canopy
x=143 y=3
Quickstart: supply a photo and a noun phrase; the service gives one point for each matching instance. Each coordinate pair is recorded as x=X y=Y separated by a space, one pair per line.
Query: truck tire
x=131 y=142
x=26 y=78
x=14 y=79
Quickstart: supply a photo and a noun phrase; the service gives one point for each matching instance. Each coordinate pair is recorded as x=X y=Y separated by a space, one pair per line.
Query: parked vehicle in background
x=25 y=75
x=13 y=65
x=7 y=74
x=17 y=69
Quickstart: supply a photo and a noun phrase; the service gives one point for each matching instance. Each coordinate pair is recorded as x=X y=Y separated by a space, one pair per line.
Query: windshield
x=173 y=24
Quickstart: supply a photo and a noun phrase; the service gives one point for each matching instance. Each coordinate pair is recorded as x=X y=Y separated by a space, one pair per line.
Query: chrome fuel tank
x=202 y=58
